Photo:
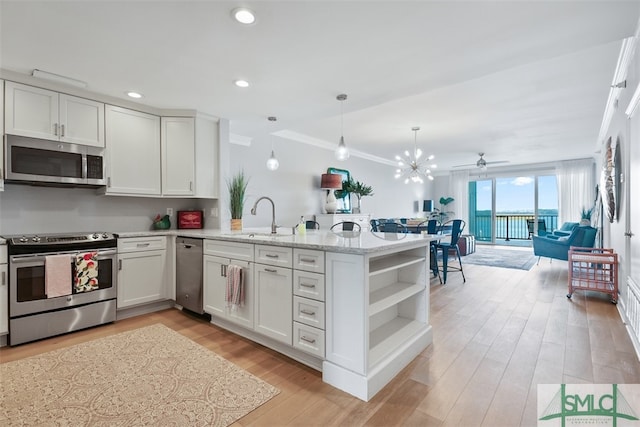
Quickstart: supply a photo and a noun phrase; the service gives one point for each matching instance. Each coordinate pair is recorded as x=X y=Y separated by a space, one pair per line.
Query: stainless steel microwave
x=51 y=162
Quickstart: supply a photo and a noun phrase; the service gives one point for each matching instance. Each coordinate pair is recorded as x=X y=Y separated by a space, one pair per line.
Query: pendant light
x=272 y=163
x=342 y=152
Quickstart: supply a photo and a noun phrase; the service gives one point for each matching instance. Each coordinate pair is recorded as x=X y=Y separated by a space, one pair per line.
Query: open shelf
x=391 y=295
x=389 y=336
x=382 y=265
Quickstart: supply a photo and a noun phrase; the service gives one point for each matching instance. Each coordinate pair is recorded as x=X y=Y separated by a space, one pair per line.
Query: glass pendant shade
x=272 y=162
x=342 y=152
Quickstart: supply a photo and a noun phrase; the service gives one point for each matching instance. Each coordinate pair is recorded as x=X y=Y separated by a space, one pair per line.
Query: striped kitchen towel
x=234 y=296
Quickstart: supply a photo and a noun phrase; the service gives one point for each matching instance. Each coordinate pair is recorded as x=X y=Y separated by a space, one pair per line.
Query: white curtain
x=459 y=190
x=576 y=188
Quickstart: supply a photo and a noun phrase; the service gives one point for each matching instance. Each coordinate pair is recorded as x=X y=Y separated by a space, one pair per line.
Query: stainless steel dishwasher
x=189 y=274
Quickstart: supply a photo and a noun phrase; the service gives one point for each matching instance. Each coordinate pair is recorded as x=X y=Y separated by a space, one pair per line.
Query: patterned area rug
x=149 y=376
x=505 y=258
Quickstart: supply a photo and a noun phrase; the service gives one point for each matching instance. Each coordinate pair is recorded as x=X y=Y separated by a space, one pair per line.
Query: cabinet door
x=4 y=300
x=215 y=284
x=81 y=121
x=141 y=278
x=31 y=111
x=178 y=156
x=133 y=152
x=274 y=302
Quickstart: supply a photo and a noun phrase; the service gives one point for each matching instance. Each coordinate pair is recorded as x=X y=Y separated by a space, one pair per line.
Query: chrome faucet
x=273 y=212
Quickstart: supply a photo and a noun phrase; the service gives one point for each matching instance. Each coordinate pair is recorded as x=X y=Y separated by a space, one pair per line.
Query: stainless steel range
x=60 y=283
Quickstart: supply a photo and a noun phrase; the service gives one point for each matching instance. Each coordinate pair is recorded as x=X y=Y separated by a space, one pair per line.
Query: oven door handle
x=37 y=257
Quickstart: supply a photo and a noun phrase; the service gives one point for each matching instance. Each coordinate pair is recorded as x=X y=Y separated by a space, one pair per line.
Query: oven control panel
x=52 y=239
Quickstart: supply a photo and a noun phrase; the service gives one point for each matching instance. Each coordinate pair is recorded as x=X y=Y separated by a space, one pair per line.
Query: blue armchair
x=557 y=246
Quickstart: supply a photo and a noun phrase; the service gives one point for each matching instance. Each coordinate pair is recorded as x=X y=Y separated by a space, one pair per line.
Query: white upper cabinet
x=133 y=152
x=178 y=156
x=82 y=121
x=41 y=113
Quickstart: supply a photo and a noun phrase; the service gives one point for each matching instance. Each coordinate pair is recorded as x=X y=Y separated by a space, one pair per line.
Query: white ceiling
x=523 y=81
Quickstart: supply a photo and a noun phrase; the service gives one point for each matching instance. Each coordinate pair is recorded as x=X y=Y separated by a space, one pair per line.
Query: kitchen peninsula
x=353 y=305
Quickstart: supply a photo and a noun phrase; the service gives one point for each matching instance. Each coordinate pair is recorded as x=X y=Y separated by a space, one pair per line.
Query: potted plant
x=237 y=187
x=359 y=189
x=585 y=216
x=440 y=214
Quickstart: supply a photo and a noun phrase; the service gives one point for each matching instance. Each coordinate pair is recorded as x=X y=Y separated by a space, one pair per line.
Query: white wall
x=295 y=186
x=613 y=233
x=27 y=209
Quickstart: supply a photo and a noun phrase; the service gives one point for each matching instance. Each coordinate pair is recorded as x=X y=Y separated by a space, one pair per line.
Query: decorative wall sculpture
x=610 y=179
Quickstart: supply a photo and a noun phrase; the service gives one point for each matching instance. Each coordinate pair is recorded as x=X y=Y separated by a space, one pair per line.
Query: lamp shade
x=427 y=205
x=331 y=181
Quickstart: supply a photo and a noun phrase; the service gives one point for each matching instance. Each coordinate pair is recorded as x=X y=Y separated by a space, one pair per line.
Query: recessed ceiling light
x=135 y=95
x=243 y=15
x=242 y=83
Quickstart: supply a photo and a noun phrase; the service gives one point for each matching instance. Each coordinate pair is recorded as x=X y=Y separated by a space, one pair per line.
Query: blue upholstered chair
x=556 y=245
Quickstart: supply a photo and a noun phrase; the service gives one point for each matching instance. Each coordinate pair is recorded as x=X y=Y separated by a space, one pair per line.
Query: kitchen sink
x=260 y=236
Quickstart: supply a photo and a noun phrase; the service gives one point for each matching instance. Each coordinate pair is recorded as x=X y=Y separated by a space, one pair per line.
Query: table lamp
x=331 y=181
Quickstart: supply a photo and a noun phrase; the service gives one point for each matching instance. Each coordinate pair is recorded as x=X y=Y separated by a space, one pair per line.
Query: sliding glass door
x=509 y=210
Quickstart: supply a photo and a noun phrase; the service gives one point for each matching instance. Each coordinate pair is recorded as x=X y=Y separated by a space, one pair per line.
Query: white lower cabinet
x=308 y=301
x=214 y=292
x=274 y=294
x=4 y=292
x=142 y=270
x=270 y=309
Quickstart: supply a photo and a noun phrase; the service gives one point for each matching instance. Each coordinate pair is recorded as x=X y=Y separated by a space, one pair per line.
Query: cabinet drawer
x=136 y=244
x=308 y=339
x=241 y=251
x=274 y=255
x=308 y=311
x=3 y=254
x=308 y=260
x=308 y=285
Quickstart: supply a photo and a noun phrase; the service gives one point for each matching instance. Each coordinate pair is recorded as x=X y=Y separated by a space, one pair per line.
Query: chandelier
x=412 y=167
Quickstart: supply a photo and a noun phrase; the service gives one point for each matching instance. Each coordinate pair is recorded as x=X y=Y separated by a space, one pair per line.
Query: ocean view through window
x=511 y=209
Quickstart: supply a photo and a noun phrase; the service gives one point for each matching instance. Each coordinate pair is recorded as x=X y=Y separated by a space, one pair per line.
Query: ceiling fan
x=481 y=163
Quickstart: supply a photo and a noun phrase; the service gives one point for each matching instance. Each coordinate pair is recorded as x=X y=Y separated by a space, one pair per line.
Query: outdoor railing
x=509 y=226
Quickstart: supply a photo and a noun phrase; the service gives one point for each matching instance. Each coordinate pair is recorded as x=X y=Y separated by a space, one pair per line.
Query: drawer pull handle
x=307 y=285
x=309 y=340
x=142 y=245
x=270 y=270
x=307 y=312
x=271 y=256
x=307 y=260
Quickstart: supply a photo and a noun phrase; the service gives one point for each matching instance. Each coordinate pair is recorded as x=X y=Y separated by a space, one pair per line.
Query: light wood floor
x=495 y=338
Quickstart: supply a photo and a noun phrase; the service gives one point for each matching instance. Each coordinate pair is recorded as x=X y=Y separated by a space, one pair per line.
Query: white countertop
x=365 y=242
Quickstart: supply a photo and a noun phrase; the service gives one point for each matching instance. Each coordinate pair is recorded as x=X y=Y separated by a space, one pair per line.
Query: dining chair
x=374 y=224
x=431 y=227
x=346 y=226
x=393 y=227
x=312 y=225
x=451 y=245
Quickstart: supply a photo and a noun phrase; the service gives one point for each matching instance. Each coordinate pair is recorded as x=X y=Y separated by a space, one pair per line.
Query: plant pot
x=584 y=222
x=236 y=224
